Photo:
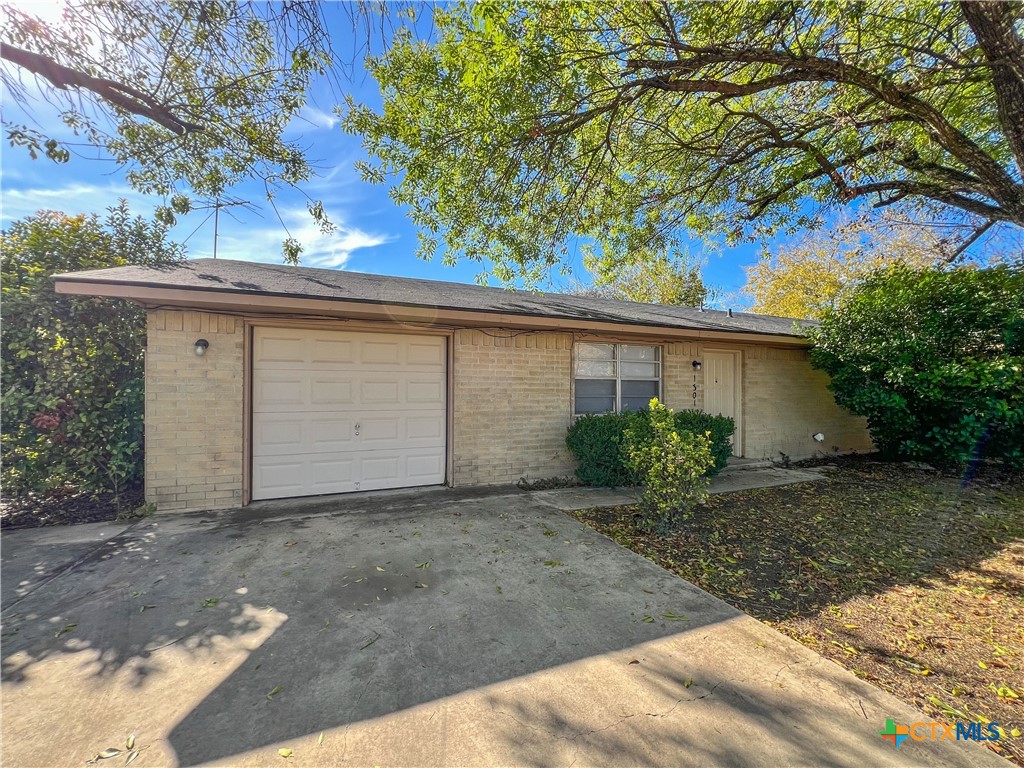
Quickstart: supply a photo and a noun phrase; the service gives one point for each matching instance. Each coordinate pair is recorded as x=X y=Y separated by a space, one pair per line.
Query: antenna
x=216 y=205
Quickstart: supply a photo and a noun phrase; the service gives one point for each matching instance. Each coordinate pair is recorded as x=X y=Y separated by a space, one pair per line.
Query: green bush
x=72 y=366
x=671 y=465
x=597 y=442
x=934 y=359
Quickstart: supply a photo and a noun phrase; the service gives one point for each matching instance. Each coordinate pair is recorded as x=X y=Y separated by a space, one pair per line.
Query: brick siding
x=193 y=411
x=512 y=401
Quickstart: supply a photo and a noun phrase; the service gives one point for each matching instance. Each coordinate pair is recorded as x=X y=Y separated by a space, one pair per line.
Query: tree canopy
x=190 y=97
x=934 y=359
x=819 y=269
x=72 y=366
x=659 y=279
x=521 y=129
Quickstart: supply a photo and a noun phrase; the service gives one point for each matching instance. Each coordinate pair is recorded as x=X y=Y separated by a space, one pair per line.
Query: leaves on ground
x=912 y=581
x=65 y=629
x=274 y=691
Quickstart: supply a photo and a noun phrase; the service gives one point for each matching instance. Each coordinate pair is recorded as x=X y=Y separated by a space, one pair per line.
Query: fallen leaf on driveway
x=284 y=752
x=274 y=691
x=65 y=629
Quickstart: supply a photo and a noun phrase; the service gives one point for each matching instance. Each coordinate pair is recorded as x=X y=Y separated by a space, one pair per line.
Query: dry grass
x=901 y=575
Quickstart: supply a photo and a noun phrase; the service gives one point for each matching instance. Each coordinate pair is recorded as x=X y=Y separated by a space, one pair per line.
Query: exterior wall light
x=201 y=347
x=696 y=365
x=819 y=437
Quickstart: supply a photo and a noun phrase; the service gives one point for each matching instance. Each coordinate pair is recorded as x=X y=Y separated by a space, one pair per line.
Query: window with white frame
x=616 y=377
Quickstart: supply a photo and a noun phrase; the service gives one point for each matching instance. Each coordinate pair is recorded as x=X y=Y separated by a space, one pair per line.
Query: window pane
x=642 y=389
x=595 y=404
x=639 y=370
x=595 y=351
x=595 y=369
x=635 y=352
x=635 y=403
x=595 y=387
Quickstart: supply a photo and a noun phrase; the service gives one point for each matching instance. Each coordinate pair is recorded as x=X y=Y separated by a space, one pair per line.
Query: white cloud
x=74 y=198
x=316 y=118
x=263 y=244
x=239 y=238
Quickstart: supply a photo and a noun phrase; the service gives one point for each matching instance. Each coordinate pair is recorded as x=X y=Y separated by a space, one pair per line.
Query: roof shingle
x=245 y=277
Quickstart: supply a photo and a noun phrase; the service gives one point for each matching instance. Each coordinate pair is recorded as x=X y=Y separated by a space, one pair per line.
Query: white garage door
x=336 y=411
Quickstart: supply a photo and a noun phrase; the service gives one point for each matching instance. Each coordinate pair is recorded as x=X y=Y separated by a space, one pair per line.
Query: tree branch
x=120 y=95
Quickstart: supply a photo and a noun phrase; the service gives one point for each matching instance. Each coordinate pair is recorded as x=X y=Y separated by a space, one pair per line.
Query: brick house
x=267 y=382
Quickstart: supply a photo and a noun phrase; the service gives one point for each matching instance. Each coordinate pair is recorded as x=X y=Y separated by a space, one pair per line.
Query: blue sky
x=373 y=235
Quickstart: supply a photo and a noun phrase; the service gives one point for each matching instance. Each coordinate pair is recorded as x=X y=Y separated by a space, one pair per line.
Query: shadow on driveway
x=480 y=631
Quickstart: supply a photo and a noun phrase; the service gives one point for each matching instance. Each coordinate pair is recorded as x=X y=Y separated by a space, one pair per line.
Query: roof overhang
x=288 y=305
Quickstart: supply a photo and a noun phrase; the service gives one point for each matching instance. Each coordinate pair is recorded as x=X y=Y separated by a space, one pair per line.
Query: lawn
x=901 y=575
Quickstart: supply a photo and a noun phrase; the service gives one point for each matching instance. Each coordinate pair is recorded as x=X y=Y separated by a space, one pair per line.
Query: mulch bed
x=66 y=506
x=898 y=573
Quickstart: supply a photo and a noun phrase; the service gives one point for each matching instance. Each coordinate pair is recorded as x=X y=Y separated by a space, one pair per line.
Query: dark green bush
x=72 y=366
x=934 y=359
x=597 y=443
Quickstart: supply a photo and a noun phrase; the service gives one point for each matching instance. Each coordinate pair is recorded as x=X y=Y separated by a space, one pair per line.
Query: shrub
x=72 y=365
x=596 y=442
x=672 y=466
x=719 y=430
x=934 y=359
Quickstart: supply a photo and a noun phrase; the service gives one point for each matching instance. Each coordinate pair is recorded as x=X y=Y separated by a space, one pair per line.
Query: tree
x=522 y=127
x=661 y=280
x=191 y=97
x=72 y=366
x=934 y=359
x=804 y=278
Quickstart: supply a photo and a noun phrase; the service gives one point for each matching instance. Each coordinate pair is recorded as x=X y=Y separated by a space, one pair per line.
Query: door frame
x=398 y=329
x=737 y=392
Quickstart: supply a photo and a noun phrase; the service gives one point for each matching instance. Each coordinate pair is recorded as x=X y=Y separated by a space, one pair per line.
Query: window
x=616 y=377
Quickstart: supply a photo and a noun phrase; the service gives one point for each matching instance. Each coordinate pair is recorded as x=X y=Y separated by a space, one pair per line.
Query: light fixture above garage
x=696 y=365
x=201 y=347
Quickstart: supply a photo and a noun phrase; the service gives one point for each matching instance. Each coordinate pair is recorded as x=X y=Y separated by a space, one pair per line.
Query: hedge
x=597 y=443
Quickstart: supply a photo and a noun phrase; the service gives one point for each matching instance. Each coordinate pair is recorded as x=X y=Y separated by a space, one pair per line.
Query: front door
x=722 y=377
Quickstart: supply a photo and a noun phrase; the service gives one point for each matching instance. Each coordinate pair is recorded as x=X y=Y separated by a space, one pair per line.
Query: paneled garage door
x=337 y=411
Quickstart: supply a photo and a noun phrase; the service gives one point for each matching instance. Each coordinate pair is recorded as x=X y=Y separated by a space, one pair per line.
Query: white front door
x=339 y=411
x=722 y=396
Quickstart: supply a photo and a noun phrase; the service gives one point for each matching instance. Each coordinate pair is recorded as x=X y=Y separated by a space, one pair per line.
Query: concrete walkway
x=416 y=630
x=729 y=480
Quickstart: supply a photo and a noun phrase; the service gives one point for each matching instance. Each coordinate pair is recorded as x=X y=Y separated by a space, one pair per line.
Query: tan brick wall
x=786 y=401
x=193 y=411
x=678 y=376
x=512 y=401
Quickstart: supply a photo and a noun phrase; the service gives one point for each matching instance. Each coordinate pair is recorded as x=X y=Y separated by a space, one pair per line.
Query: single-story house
x=269 y=382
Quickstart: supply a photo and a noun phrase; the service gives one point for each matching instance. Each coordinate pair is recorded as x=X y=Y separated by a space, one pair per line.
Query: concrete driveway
x=409 y=630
